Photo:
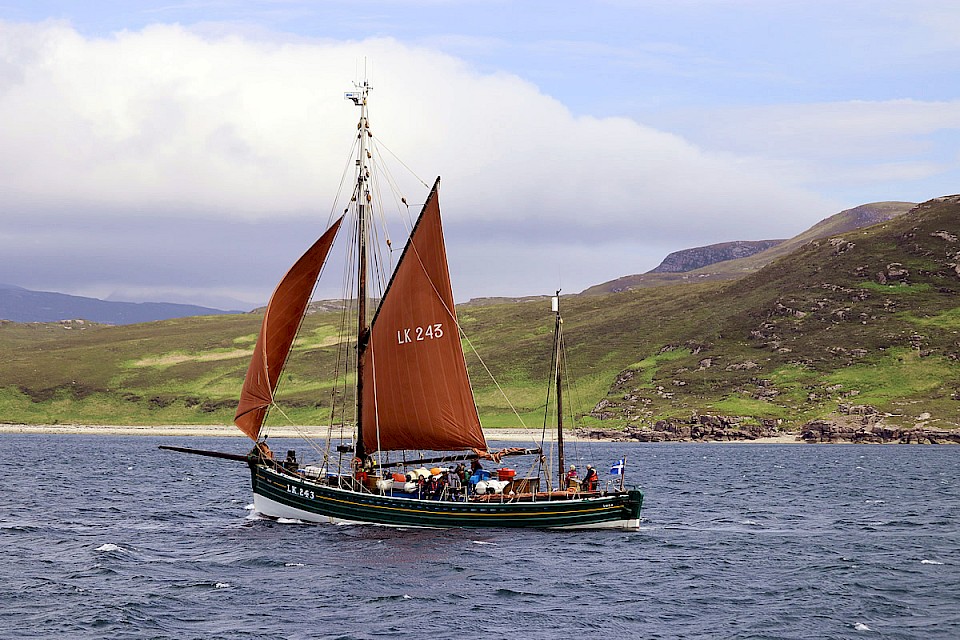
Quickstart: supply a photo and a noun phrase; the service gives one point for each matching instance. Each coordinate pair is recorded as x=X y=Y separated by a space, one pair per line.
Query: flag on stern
x=617 y=468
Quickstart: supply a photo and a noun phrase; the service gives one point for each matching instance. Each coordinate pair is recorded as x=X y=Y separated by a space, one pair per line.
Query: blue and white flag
x=617 y=468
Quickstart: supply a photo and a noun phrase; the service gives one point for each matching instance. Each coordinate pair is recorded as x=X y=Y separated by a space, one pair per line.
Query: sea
x=110 y=537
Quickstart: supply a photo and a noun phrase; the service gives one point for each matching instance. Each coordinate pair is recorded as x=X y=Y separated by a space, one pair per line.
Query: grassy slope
x=789 y=342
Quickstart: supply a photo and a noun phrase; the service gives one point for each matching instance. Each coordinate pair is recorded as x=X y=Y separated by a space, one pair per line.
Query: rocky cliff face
x=690 y=259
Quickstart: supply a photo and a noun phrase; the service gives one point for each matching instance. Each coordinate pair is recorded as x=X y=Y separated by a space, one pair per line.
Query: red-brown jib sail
x=419 y=395
x=281 y=321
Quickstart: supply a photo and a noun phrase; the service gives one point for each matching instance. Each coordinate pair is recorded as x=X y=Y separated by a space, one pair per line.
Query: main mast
x=364 y=202
x=558 y=371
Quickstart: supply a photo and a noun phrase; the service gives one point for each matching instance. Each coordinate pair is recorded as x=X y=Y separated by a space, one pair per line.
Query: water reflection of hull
x=281 y=495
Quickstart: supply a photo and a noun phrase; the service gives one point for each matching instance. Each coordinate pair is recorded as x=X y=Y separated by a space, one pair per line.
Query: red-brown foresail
x=281 y=321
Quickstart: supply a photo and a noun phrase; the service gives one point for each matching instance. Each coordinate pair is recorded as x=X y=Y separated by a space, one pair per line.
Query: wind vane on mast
x=358 y=96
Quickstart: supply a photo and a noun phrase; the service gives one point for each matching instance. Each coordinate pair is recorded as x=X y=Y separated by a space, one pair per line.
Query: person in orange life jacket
x=590 y=480
x=421 y=486
x=434 y=487
x=360 y=470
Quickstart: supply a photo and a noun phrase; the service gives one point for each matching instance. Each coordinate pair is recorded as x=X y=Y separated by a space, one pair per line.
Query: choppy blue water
x=108 y=537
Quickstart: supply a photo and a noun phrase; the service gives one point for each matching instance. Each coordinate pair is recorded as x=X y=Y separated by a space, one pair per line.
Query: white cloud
x=873 y=150
x=168 y=123
x=852 y=127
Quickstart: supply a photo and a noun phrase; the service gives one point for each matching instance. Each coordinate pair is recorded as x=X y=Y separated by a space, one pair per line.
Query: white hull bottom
x=273 y=509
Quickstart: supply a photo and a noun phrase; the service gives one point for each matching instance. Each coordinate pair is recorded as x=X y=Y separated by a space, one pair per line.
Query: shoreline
x=212 y=430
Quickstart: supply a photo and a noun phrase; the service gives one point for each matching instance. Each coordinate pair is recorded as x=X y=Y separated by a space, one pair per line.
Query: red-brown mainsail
x=419 y=395
x=281 y=321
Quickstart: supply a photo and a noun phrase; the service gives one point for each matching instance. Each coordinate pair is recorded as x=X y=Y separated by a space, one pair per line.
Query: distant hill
x=23 y=305
x=731 y=269
x=488 y=301
x=690 y=259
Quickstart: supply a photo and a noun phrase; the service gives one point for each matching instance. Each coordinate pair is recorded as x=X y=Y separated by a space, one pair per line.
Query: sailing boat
x=412 y=395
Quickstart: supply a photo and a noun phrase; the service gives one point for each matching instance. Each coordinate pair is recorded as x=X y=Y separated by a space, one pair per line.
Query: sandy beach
x=492 y=435
x=512 y=435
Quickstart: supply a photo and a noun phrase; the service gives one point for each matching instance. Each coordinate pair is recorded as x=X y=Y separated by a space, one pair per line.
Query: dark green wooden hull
x=281 y=495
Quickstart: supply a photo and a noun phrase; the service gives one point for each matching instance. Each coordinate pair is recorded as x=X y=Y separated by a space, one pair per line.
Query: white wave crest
x=483 y=542
x=221 y=585
x=293 y=564
x=861 y=627
x=930 y=562
x=289 y=521
x=249 y=507
x=109 y=547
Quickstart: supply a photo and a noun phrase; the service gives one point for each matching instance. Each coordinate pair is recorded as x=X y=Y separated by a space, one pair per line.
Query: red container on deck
x=506 y=474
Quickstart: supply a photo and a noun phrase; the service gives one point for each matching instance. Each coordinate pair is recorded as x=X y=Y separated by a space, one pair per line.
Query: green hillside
x=868 y=318
x=189 y=371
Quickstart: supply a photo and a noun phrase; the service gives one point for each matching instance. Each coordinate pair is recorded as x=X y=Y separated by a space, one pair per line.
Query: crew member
x=572 y=478
x=590 y=479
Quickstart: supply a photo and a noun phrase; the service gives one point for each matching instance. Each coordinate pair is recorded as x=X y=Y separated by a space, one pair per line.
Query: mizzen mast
x=558 y=374
x=364 y=202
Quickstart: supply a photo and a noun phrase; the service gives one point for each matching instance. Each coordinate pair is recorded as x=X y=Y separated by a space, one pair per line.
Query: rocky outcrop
x=859 y=424
x=699 y=428
x=690 y=259
x=870 y=430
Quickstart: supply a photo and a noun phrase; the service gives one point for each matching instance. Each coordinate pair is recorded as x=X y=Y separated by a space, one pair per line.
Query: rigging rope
x=402 y=163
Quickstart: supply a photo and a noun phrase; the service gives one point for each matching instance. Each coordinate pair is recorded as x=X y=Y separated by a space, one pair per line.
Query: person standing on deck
x=572 y=477
x=590 y=480
x=454 y=480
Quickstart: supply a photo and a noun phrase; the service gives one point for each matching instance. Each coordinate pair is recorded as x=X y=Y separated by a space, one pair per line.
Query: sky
x=190 y=151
